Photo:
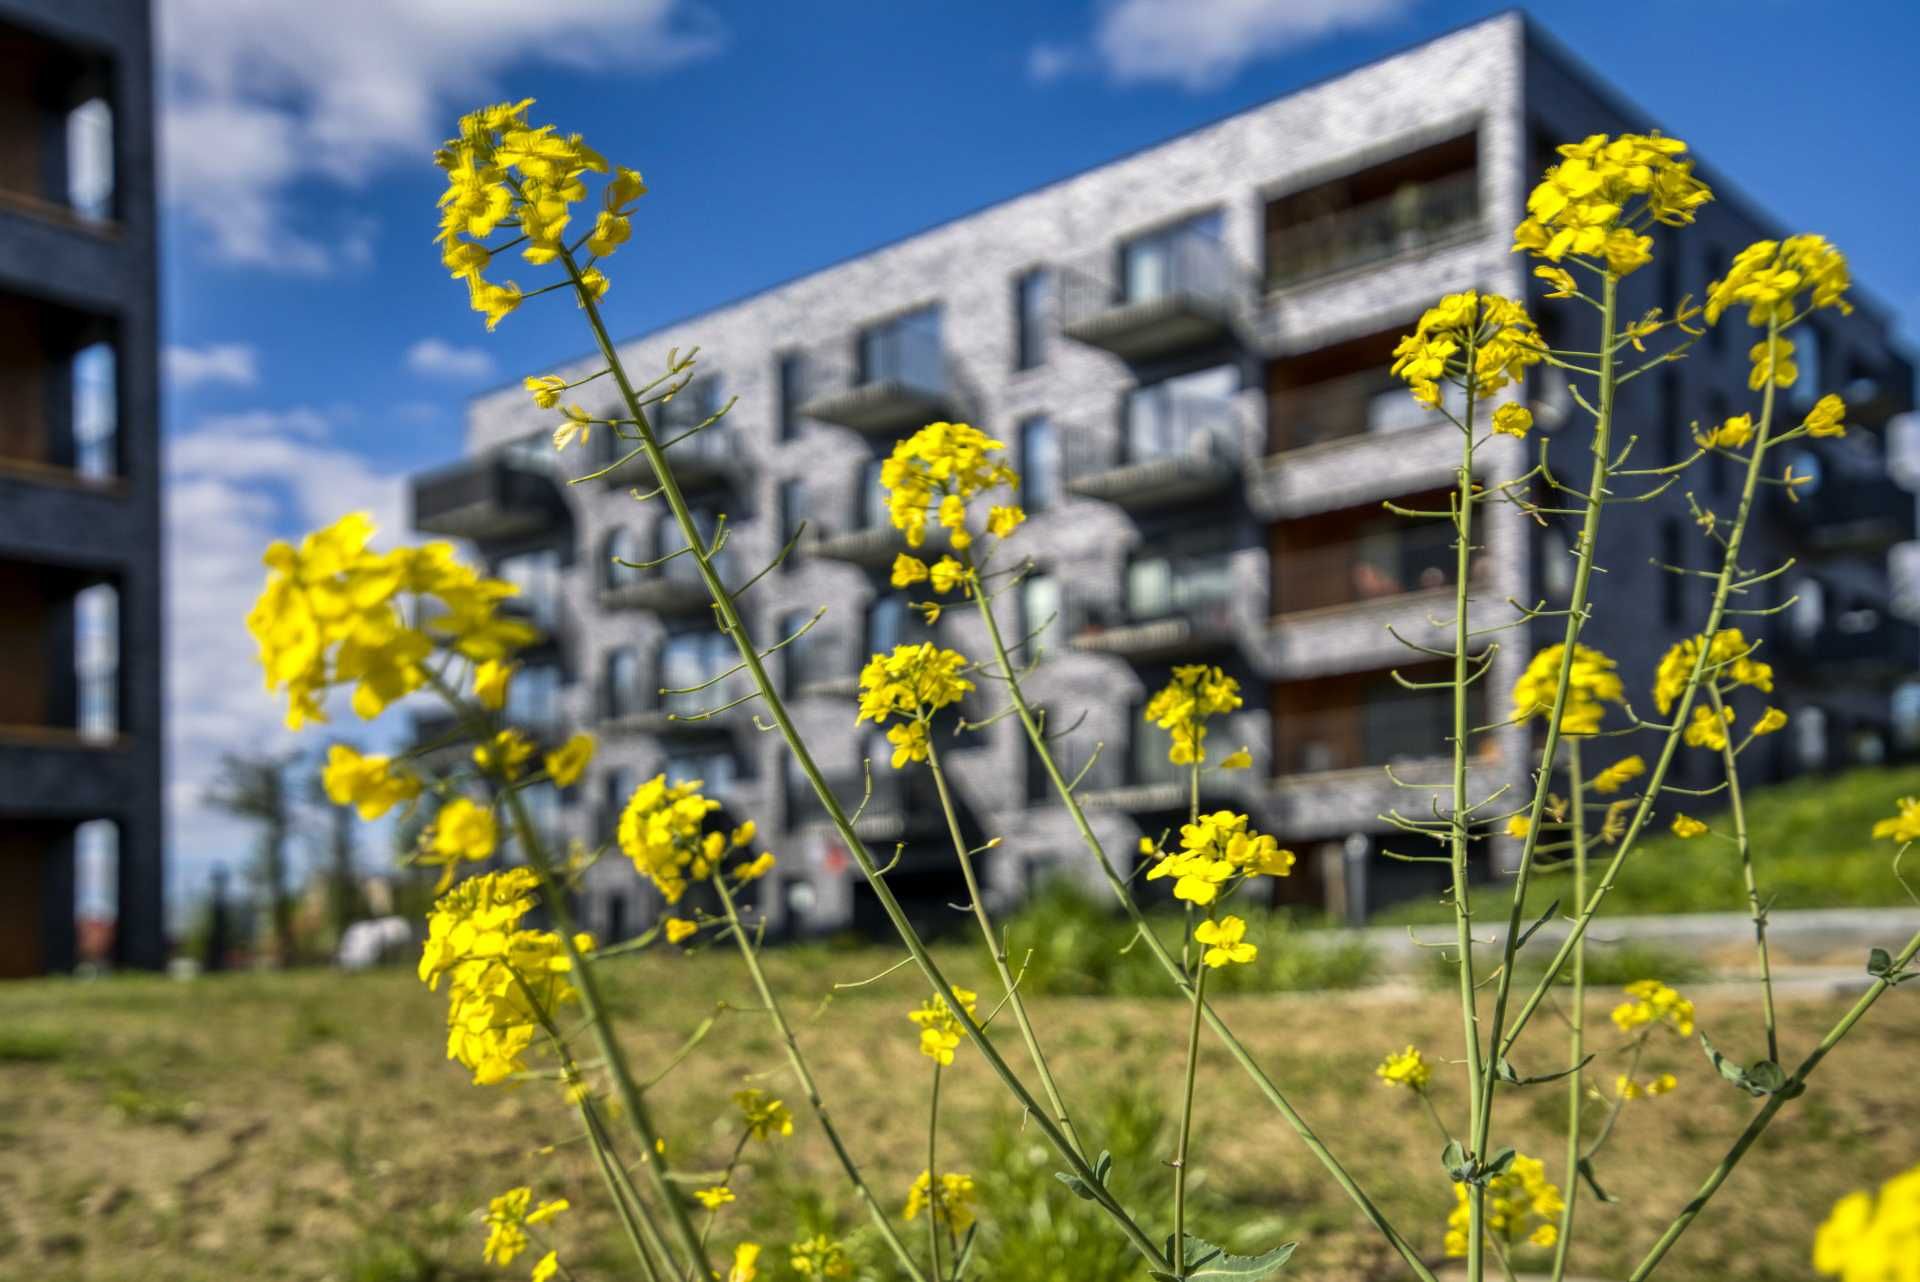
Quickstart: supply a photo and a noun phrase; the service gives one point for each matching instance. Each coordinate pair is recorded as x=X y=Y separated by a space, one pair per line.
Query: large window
x=892 y=621
x=533 y=698
x=690 y=659
x=1184 y=257
x=1030 y=293
x=1191 y=415
x=90 y=177
x=96 y=411
x=621 y=690
x=537 y=575
x=96 y=660
x=1040 y=466
x=1040 y=607
x=904 y=350
x=791 y=372
x=621 y=552
x=873 y=495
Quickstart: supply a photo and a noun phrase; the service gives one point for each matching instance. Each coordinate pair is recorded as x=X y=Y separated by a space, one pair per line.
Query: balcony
x=1864 y=640
x=1144 y=781
x=1195 y=458
x=1368 y=403
x=891 y=378
x=709 y=456
x=1398 y=208
x=1392 y=727
x=674 y=588
x=903 y=803
x=1174 y=608
x=1848 y=509
x=1331 y=563
x=489 y=499
x=1160 y=294
x=817 y=667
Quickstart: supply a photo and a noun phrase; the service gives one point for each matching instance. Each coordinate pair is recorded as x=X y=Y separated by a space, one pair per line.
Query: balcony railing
x=1852 y=510
x=1143 y=780
x=902 y=803
x=487 y=499
x=1385 y=565
x=1873 y=639
x=647 y=711
x=1193 y=295
x=674 y=588
x=882 y=382
x=1195 y=616
x=1411 y=218
x=1379 y=733
x=1370 y=402
x=1201 y=460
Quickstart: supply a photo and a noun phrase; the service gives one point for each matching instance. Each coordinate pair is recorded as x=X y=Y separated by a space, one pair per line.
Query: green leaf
x=1586 y=1173
x=1074 y=1182
x=1527 y=934
x=1879 y=962
x=1454 y=1158
x=1503 y=1069
x=966 y=1250
x=1760 y=1078
x=1208 y=1263
x=1101 y=1165
x=1501 y=1161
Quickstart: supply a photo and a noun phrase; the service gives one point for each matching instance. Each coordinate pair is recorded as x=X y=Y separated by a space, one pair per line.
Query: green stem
x=1577 y=1022
x=933 y=1176
x=642 y=1236
x=1723 y=587
x=1774 y=1104
x=750 y=955
x=1036 y=735
x=731 y=623
x=996 y=948
x=1177 y=1253
x=1741 y=840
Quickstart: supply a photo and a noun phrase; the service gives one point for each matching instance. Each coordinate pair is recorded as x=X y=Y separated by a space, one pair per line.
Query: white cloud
x=235 y=364
x=1200 y=46
x=437 y=358
x=258 y=99
x=233 y=484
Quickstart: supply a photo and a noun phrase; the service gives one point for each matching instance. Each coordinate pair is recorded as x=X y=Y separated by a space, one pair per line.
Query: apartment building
x=80 y=676
x=1187 y=350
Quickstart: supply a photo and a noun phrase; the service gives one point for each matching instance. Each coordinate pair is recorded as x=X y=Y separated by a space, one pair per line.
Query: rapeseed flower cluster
x=330 y=615
x=912 y=683
x=1828 y=417
x=1182 y=706
x=940 y=1028
x=1654 y=1003
x=1596 y=202
x=1769 y=276
x=938 y=469
x=507 y=1220
x=502 y=981
x=1522 y=1206
x=1225 y=941
x=1903 y=827
x=1868 y=1238
x=372 y=785
x=1632 y=1088
x=1408 y=1068
x=1494 y=332
x=1730 y=662
x=765 y=1117
x=663 y=831
x=504 y=174
x=463 y=832
x=1215 y=851
x=820 y=1257
x=952 y=1205
x=1619 y=774
x=1593 y=682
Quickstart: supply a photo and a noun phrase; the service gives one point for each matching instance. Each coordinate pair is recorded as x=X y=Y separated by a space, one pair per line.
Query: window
x=1183 y=258
x=1040 y=607
x=96 y=660
x=90 y=178
x=96 y=411
x=793 y=511
x=1807 y=356
x=1195 y=583
x=690 y=659
x=1191 y=415
x=533 y=698
x=1810 y=737
x=873 y=496
x=1040 y=469
x=1030 y=294
x=801 y=654
x=891 y=622
x=537 y=575
x=1673 y=585
x=616 y=917
x=620 y=547
x=904 y=350
x=619 y=785
x=716 y=771
x=667 y=538
x=791 y=373
x=1673 y=415
x=621 y=692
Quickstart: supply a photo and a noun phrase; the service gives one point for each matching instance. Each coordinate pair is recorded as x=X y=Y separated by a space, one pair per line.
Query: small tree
x=255 y=789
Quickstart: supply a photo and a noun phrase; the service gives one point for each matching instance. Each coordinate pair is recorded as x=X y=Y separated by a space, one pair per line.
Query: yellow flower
x=1903 y=827
x=679 y=929
x=1560 y=278
x=745 y=1258
x=1225 y=942
x=952 y=1206
x=820 y=1257
x=490 y=683
x=1771 y=720
x=1184 y=704
x=462 y=832
x=547 y=1268
x=506 y=1221
x=1828 y=417
x=569 y=761
x=947 y=574
x=1215 y=849
x=1003 y=521
x=940 y=1028
x=1873 y=1238
x=1769 y=277
x=714 y=1198
x=1498 y=331
x=1686 y=827
x=1241 y=760
x=1593 y=682
x=1409 y=1068
x=1654 y=1003
x=764 y=1116
x=662 y=830
x=1729 y=661
x=370 y=784
x=1847 y=1228
x=1628 y=1088
x=1590 y=204
x=1518 y=826
x=939 y=468
x=1522 y=1205
x=1707 y=730
x=1512 y=419
x=909 y=740
x=1615 y=776
x=913 y=681
x=1772 y=362
x=908 y=570
x=1730 y=435
x=504 y=754
x=546 y=389
x=755 y=869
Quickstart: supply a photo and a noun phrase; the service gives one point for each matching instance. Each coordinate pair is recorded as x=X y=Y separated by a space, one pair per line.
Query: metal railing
x=1414 y=216
x=1387 y=564
x=861 y=379
x=1376 y=733
x=1176 y=266
x=1352 y=405
x=1201 y=429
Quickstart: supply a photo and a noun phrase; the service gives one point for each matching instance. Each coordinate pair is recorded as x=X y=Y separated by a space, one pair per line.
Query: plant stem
x=1741 y=839
x=997 y=949
x=644 y=1240
x=1774 y=1104
x=1177 y=1252
x=1577 y=1021
x=1036 y=735
x=731 y=623
x=750 y=955
x=933 y=1176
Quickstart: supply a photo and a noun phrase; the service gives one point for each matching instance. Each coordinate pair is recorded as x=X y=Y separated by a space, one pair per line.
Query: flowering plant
x=335 y=613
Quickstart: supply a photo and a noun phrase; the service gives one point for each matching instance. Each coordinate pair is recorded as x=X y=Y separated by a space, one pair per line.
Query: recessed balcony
x=1194 y=459
x=1173 y=609
x=488 y=499
x=1158 y=294
x=889 y=379
x=671 y=589
x=1849 y=503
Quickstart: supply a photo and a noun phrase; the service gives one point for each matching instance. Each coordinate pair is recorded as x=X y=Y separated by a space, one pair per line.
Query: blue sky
x=316 y=352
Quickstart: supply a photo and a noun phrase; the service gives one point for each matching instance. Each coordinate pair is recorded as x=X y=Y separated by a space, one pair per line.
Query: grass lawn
x=1810 y=845
x=306 y=1127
